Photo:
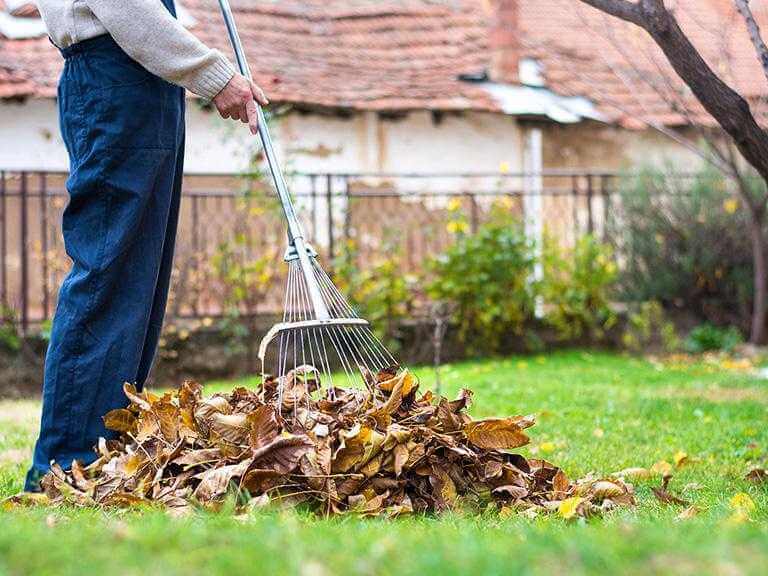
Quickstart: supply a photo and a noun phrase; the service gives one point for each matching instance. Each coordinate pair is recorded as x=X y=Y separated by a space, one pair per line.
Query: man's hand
x=237 y=100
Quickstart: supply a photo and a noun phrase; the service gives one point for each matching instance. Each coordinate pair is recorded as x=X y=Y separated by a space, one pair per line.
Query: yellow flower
x=454 y=204
x=457 y=226
x=504 y=167
x=731 y=205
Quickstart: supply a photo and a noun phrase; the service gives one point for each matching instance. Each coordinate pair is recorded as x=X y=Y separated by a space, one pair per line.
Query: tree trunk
x=757 y=333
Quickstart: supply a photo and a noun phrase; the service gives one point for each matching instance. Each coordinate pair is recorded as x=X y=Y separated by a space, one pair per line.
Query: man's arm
x=149 y=34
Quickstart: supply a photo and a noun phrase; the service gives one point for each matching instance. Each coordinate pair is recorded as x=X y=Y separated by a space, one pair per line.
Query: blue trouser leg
x=124 y=131
x=164 y=277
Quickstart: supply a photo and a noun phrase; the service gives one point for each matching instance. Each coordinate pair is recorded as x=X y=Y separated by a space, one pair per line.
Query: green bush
x=706 y=337
x=647 y=328
x=684 y=244
x=576 y=288
x=9 y=335
x=485 y=277
x=380 y=292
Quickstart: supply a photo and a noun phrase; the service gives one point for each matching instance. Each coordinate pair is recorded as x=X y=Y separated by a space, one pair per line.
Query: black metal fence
x=232 y=237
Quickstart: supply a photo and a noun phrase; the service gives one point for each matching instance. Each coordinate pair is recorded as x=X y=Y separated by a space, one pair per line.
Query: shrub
x=684 y=244
x=707 y=337
x=648 y=328
x=485 y=278
x=9 y=335
x=576 y=288
x=380 y=293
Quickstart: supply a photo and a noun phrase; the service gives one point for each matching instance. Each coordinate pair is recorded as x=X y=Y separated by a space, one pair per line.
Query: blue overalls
x=124 y=131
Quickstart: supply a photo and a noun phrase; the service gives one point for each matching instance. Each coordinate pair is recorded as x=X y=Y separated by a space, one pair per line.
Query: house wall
x=364 y=142
x=600 y=147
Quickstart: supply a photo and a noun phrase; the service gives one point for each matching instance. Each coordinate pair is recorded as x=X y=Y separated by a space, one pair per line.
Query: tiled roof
x=615 y=64
x=390 y=54
x=410 y=54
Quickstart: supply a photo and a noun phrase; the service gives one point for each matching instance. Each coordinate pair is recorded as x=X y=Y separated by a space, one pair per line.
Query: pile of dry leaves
x=382 y=450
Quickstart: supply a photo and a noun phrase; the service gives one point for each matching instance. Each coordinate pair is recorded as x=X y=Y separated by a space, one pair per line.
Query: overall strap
x=171 y=6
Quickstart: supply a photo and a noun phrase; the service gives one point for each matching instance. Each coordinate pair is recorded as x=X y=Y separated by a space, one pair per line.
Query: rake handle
x=295 y=231
x=294 y=227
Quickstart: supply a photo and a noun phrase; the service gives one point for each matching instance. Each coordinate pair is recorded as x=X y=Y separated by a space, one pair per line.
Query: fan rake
x=320 y=333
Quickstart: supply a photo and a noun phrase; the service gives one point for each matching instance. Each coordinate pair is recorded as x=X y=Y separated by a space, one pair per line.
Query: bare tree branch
x=754 y=32
x=723 y=103
x=629 y=11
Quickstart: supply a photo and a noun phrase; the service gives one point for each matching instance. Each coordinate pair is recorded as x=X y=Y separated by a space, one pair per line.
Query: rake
x=320 y=332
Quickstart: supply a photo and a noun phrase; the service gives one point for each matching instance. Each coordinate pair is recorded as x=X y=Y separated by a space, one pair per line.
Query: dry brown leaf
x=497 y=433
x=665 y=496
x=282 y=454
x=214 y=482
x=377 y=451
x=688 y=513
x=757 y=476
x=263 y=426
x=120 y=420
x=230 y=427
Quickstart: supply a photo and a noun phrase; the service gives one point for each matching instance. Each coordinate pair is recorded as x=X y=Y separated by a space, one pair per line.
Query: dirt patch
x=717 y=394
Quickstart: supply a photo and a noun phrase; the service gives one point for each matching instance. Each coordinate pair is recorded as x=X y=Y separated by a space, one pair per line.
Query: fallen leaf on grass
x=680 y=458
x=757 y=476
x=742 y=506
x=665 y=496
x=688 y=513
x=742 y=501
x=661 y=468
x=633 y=473
x=568 y=508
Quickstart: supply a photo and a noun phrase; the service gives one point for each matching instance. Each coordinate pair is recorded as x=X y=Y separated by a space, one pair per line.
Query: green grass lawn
x=596 y=412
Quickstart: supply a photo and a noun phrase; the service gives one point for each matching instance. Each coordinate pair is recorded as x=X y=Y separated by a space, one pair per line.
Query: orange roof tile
x=410 y=54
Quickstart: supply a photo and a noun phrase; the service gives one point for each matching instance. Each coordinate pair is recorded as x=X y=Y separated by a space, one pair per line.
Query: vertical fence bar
x=196 y=253
x=590 y=215
x=313 y=193
x=575 y=205
x=44 y=241
x=329 y=200
x=605 y=194
x=23 y=254
x=474 y=218
x=347 y=211
x=3 y=243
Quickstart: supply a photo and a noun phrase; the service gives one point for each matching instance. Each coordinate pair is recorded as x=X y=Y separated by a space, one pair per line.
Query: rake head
x=320 y=336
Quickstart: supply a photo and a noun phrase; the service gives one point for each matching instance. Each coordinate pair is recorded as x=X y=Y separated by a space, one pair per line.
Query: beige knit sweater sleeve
x=149 y=34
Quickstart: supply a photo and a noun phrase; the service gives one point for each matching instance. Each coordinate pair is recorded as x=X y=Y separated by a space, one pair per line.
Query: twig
x=754 y=33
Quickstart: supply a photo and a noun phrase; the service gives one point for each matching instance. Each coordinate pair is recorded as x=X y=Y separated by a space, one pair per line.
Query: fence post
x=605 y=193
x=590 y=216
x=3 y=243
x=575 y=206
x=473 y=215
x=44 y=241
x=347 y=218
x=329 y=200
x=23 y=237
x=196 y=253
